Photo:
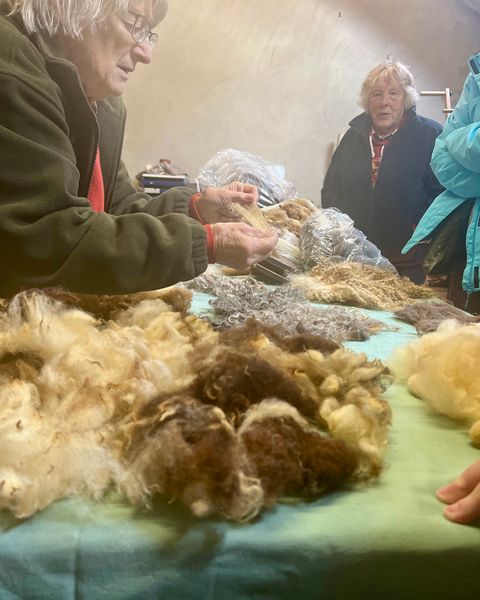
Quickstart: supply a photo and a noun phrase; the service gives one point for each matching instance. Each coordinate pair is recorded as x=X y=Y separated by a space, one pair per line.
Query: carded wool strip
x=360 y=285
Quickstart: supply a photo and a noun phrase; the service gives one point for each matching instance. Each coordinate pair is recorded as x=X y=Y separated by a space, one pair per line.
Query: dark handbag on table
x=446 y=246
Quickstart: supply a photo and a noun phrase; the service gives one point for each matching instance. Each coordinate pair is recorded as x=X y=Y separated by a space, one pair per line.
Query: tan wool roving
x=360 y=285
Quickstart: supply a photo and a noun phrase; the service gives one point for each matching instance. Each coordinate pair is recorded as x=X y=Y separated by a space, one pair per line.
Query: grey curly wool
x=239 y=299
x=427 y=316
x=156 y=402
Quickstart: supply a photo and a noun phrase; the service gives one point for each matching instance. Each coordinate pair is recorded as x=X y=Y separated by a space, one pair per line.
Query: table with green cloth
x=386 y=540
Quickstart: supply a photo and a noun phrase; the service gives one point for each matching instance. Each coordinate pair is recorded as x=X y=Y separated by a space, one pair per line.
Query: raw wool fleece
x=66 y=383
x=156 y=402
x=442 y=369
x=359 y=285
x=427 y=316
x=340 y=390
x=287 y=309
x=106 y=307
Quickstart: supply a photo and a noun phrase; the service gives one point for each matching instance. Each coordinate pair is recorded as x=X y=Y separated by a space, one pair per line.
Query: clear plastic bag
x=231 y=165
x=329 y=233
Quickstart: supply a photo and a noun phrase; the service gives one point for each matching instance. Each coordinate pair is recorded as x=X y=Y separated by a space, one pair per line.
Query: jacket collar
x=50 y=49
x=474 y=63
x=56 y=61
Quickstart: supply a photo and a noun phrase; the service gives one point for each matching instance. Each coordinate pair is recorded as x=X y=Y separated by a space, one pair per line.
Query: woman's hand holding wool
x=239 y=246
x=215 y=204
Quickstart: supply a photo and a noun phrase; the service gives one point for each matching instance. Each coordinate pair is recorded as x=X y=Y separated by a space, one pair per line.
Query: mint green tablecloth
x=387 y=540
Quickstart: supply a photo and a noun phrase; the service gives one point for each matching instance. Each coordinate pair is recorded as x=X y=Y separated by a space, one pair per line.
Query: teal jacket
x=456 y=163
x=49 y=235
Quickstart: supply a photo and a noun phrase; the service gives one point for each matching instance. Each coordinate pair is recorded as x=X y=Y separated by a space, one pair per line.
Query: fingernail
x=451 y=509
x=444 y=489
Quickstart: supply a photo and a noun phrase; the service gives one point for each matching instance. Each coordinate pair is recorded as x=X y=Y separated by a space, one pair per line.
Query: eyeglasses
x=140 y=31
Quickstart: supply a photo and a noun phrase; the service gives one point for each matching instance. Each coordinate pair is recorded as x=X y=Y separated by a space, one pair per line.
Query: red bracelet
x=192 y=209
x=210 y=243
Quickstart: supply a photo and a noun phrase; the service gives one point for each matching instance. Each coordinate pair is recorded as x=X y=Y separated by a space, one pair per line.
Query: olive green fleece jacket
x=49 y=235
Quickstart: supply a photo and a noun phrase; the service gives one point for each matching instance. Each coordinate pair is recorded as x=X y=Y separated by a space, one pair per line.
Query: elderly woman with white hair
x=69 y=215
x=380 y=173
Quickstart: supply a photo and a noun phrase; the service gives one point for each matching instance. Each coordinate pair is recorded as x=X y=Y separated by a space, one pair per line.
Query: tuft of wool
x=235 y=380
x=189 y=451
x=219 y=285
x=284 y=308
x=238 y=337
x=291 y=457
x=441 y=368
x=348 y=389
x=427 y=316
x=290 y=215
x=359 y=285
x=106 y=307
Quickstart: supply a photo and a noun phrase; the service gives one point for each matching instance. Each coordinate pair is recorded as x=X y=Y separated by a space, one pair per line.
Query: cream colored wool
x=442 y=369
x=348 y=387
x=357 y=284
x=107 y=307
x=56 y=426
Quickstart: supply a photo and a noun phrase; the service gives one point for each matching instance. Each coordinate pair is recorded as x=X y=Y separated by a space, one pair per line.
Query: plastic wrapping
x=231 y=165
x=329 y=233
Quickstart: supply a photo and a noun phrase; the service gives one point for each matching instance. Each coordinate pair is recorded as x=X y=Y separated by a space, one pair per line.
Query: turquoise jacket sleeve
x=456 y=156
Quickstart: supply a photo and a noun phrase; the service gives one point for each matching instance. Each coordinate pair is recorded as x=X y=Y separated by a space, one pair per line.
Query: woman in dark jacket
x=380 y=173
x=69 y=215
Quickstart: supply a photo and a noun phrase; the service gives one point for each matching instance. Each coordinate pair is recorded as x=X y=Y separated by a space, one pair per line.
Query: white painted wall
x=280 y=78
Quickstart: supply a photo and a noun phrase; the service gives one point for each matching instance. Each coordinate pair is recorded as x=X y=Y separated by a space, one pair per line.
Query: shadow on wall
x=459 y=16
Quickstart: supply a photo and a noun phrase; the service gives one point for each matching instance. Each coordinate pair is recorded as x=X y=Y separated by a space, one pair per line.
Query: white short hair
x=71 y=17
x=390 y=70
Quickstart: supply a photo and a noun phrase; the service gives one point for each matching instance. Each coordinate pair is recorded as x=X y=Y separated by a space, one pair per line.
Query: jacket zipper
x=97 y=146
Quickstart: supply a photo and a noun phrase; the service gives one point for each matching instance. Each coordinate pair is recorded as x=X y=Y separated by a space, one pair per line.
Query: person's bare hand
x=215 y=204
x=463 y=496
x=239 y=246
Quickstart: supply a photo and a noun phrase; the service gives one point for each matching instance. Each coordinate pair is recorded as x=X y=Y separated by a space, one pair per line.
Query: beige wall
x=280 y=78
